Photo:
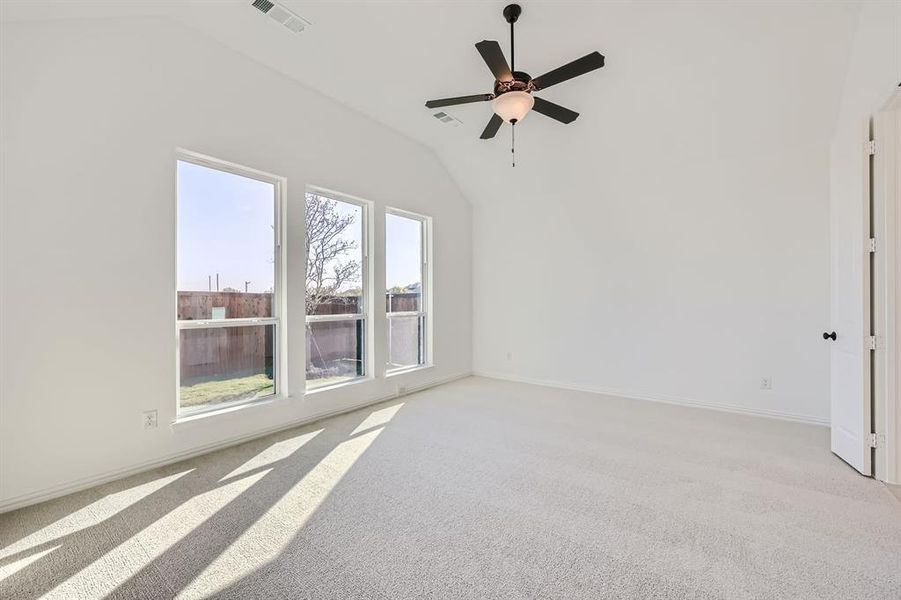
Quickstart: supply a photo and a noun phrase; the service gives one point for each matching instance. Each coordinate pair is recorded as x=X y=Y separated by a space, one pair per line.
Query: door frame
x=886 y=299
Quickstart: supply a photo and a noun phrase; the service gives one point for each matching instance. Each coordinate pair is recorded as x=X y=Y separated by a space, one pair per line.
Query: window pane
x=225 y=364
x=403 y=263
x=226 y=244
x=404 y=293
x=334 y=281
x=405 y=336
x=334 y=351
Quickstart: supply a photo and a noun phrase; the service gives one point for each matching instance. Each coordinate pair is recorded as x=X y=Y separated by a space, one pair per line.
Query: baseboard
x=78 y=485
x=730 y=408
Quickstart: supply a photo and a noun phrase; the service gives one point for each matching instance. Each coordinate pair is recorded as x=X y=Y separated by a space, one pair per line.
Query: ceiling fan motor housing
x=522 y=82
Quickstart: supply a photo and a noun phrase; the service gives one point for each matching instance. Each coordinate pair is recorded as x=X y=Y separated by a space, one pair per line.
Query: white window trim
x=279 y=359
x=425 y=305
x=365 y=315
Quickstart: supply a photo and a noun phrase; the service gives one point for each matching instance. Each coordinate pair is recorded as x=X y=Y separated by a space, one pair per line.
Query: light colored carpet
x=479 y=489
x=896 y=490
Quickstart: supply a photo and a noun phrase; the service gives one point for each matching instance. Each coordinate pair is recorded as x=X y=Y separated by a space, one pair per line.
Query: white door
x=886 y=308
x=850 y=310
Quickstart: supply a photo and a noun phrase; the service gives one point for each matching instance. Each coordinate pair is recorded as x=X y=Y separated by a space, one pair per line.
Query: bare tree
x=327 y=273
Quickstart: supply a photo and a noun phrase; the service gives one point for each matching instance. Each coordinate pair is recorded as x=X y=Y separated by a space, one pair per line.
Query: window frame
x=425 y=303
x=365 y=314
x=279 y=376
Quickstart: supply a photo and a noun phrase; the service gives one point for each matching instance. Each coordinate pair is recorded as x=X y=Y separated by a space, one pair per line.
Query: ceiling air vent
x=279 y=13
x=447 y=119
x=263 y=5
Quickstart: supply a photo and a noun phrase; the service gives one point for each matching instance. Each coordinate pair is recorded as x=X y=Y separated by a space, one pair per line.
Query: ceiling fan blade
x=494 y=57
x=491 y=129
x=459 y=100
x=580 y=66
x=554 y=111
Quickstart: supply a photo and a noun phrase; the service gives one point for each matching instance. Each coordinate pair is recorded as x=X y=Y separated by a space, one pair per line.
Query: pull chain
x=513 y=141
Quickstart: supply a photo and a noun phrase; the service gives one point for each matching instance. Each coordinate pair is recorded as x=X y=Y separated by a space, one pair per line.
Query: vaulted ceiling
x=683 y=79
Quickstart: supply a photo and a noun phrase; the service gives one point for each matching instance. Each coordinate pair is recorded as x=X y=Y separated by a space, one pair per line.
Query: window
x=336 y=288
x=227 y=311
x=407 y=288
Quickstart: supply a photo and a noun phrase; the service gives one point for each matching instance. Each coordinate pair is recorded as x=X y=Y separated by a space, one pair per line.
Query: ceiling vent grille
x=282 y=15
x=263 y=5
x=447 y=119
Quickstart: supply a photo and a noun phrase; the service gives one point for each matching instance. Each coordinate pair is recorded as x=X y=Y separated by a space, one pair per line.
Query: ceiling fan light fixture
x=513 y=107
x=512 y=99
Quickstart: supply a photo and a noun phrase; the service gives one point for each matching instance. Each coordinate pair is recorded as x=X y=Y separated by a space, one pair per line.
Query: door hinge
x=873 y=441
x=871 y=342
x=870 y=147
x=871 y=245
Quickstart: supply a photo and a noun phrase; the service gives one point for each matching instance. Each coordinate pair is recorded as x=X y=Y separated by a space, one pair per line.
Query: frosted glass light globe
x=513 y=105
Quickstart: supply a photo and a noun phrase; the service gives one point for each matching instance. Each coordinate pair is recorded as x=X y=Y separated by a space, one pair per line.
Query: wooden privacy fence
x=225 y=352
x=194 y=306
x=337 y=345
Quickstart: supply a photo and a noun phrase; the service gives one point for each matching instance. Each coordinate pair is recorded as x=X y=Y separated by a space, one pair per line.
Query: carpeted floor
x=479 y=489
x=896 y=490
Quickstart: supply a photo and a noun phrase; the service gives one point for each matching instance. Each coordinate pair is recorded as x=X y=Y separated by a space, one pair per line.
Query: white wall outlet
x=509 y=356
x=149 y=419
x=401 y=390
x=766 y=383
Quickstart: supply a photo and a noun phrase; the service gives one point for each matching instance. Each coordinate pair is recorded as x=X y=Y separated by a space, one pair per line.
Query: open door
x=851 y=309
x=886 y=306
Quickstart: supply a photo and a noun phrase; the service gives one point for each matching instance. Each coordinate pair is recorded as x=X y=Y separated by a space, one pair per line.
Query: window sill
x=406 y=370
x=200 y=415
x=339 y=385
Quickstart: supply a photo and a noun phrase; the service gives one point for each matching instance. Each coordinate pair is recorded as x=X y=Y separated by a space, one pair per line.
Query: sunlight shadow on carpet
x=137 y=551
x=377 y=418
x=275 y=529
x=20 y=563
x=88 y=516
x=274 y=453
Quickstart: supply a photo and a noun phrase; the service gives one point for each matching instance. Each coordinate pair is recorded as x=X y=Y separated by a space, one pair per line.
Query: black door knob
x=829 y=336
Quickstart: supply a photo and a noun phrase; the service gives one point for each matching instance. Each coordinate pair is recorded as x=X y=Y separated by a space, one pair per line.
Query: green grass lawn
x=227 y=390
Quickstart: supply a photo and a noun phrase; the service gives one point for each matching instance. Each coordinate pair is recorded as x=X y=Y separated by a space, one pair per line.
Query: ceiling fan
x=512 y=98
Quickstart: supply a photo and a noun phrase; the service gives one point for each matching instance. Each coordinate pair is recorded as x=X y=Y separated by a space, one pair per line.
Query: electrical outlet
x=509 y=356
x=766 y=383
x=401 y=390
x=149 y=419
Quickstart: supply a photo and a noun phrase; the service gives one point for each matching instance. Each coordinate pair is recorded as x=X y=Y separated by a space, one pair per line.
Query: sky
x=226 y=226
x=403 y=251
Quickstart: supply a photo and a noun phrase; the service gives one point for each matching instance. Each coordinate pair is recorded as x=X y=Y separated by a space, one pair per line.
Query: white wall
x=688 y=282
x=673 y=242
x=92 y=112
x=873 y=74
